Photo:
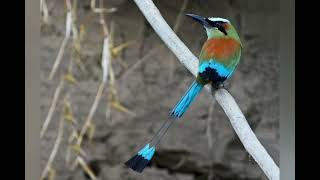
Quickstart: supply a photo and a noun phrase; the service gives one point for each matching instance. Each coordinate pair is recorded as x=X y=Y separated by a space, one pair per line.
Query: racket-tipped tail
x=142 y=159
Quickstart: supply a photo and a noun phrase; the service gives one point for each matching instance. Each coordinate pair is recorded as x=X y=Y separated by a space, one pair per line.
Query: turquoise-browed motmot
x=218 y=59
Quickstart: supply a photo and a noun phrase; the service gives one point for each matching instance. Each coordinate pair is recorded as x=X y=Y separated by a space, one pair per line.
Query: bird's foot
x=217 y=86
x=223 y=85
x=226 y=86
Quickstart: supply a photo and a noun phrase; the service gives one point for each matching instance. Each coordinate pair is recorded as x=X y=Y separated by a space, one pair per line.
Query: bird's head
x=216 y=27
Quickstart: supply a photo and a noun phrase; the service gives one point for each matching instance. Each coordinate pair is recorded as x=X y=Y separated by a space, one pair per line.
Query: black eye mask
x=217 y=24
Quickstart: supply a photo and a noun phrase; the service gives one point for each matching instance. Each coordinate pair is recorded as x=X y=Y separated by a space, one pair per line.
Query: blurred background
x=90 y=127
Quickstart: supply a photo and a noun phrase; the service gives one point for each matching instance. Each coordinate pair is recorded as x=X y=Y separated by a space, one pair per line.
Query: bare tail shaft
x=143 y=158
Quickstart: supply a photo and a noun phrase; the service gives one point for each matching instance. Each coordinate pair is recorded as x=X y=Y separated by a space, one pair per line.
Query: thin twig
x=69 y=22
x=55 y=149
x=210 y=138
x=226 y=101
x=101 y=10
x=111 y=34
x=180 y=16
x=139 y=62
x=86 y=168
x=59 y=57
x=44 y=10
x=69 y=117
x=52 y=108
x=55 y=98
x=105 y=60
x=175 y=29
x=91 y=113
x=180 y=163
x=108 y=112
x=103 y=22
x=114 y=100
x=106 y=55
x=105 y=63
x=208 y=128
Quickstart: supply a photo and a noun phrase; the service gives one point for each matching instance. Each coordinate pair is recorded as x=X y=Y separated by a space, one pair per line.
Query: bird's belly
x=212 y=71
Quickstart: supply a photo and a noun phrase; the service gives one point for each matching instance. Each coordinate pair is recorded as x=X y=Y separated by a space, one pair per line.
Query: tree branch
x=230 y=107
x=54 y=150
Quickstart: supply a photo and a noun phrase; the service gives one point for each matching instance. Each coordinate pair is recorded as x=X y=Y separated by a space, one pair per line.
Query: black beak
x=199 y=19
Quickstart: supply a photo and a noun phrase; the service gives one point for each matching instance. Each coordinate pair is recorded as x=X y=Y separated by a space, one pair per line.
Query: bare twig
x=139 y=62
x=175 y=29
x=70 y=149
x=101 y=10
x=86 y=168
x=180 y=16
x=105 y=60
x=180 y=163
x=69 y=117
x=91 y=113
x=44 y=10
x=111 y=34
x=116 y=50
x=51 y=174
x=103 y=22
x=115 y=103
x=105 y=65
x=236 y=117
x=69 y=78
x=59 y=57
x=52 y=108
x=118 y=106
x=54 y=150
x=210 y=138
x=106 y=56
x=108 y=112
x=208 y=126
x=69 y=22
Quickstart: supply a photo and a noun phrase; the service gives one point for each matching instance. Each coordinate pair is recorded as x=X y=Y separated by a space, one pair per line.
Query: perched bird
x=219 y=57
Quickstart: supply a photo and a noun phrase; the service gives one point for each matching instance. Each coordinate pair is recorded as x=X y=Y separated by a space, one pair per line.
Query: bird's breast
x=220 y=49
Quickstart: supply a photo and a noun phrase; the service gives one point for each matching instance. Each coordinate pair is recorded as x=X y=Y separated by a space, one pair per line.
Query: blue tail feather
x=144 y=149
x=186 y=100
x=141 y=160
